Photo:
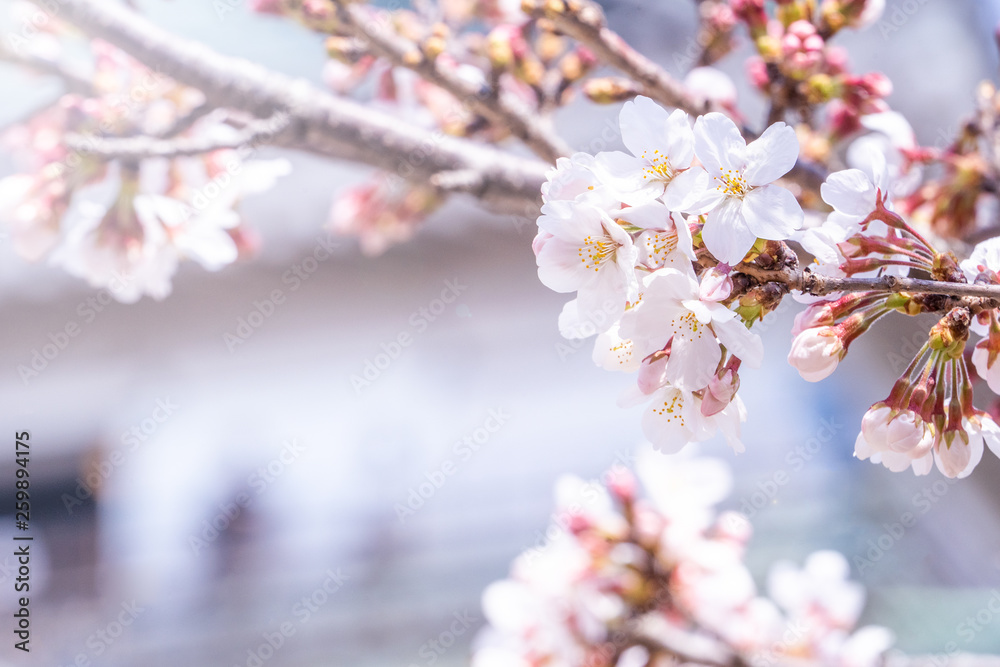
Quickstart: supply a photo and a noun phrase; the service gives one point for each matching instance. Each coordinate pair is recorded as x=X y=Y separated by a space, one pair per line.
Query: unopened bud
x=720 y=392
x=549 y=46
x=609 y=90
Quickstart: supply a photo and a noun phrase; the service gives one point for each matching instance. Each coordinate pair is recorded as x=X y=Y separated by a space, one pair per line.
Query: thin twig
x=499 y=109
x=585 y=22
x=137 y=148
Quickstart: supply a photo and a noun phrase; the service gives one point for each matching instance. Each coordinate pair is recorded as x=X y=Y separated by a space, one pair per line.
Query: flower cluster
x=798 y=68
x=928 y=417
x=622 y=230
x=631 y=581
x=125 y=224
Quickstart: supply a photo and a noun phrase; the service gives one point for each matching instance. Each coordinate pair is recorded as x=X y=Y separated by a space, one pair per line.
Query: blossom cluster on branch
x=657 y=579
x=125 y=224
x=648 y=241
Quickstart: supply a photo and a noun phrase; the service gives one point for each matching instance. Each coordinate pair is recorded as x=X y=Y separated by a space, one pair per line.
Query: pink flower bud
x=802 y=29
x=621 y=484
x=816 y=315
x=816 y=352
x=757 y=72
x=813 y=43
x=720 y=392
x=716 y=284
x=265 y=6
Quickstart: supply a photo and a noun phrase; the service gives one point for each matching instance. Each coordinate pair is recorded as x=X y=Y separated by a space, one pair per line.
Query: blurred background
x=192 y=497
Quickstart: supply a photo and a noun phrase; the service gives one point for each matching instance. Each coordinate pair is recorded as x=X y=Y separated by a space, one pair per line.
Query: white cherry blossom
x=672 y=312
x=741 y=202
x=661 y=147
x=673 y=418
x=589 y=253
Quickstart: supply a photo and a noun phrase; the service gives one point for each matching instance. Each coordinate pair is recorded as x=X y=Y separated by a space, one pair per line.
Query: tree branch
x=976 y=297
x=135 y=148
x=499 y=109
x=74 y=80
x=319 y=122
x=585 y=22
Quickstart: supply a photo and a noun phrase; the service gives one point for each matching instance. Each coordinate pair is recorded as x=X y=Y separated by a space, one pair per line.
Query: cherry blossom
x=589 y=253
x=672 y=312
x=741 y=202
x=662 y=147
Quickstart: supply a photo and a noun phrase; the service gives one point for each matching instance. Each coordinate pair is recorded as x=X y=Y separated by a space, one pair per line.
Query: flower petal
x=664 y=421
x=771 y=155
x=726 y=234
x=740 y=341
x=719 y=144
x=686 y=189
x=849 y=191
x=771 y=212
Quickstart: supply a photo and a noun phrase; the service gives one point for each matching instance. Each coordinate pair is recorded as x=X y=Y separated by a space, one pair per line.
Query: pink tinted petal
x=559 y=266
x=958 y=460
x=771 y=155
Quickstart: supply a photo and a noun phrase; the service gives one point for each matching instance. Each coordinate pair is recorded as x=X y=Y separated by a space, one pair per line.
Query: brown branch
x=319 y=122
x=135 y=148
x=499 y=109
x=976 y=297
